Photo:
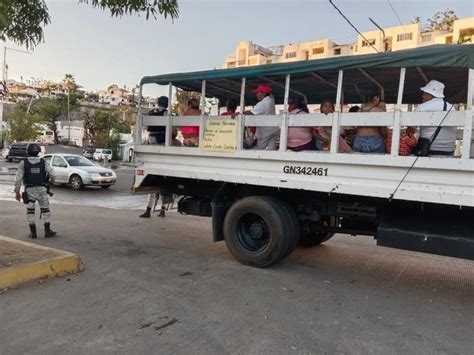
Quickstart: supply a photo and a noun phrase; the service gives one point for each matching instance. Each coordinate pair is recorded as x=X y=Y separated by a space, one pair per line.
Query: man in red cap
x=266 y=136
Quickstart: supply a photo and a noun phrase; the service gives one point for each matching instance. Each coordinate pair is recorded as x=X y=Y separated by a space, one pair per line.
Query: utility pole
x=4 y=66
x=69 y=119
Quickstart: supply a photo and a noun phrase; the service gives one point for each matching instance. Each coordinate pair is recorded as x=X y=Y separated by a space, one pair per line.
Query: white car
x=77 y=171
x=102 y=155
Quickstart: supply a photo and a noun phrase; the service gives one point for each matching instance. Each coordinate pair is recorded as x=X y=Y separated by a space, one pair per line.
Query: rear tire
x=311 y=235
x=259 y=231
x=76 y=182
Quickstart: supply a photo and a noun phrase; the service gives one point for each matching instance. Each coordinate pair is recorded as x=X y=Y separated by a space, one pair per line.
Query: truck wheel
x=311 y=235
x=76 y=182
x=295 y=226
x=258 y=231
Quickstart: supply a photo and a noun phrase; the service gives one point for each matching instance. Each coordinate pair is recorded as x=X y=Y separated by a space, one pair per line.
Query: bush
x=111 y=142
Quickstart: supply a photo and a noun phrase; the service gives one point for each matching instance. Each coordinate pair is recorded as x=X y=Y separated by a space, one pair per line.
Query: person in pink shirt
x=299 y=138
x=191 y=133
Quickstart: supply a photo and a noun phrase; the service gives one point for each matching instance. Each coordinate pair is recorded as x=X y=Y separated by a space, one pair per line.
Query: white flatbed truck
x=264 y=203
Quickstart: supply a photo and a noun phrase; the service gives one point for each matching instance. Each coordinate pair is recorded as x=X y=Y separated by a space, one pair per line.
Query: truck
x=264 y=203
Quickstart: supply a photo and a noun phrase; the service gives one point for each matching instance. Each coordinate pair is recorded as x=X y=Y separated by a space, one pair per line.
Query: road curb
x=61 y=264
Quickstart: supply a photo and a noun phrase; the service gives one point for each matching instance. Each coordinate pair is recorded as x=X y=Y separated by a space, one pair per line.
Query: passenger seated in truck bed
x=191 y=133
x=266 y=137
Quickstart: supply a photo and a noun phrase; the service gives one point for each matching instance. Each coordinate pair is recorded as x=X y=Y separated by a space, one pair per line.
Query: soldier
x=36 y=175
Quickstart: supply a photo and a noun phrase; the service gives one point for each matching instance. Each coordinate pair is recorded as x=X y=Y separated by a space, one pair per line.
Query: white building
x=74 y=133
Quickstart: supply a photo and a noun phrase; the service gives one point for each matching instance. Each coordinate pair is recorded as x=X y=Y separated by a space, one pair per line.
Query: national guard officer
x=35 y=174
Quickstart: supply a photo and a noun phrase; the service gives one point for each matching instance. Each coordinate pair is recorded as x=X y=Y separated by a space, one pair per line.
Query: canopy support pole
x=276 y=83
x=422 y=74
x=467 y=134
x=169 y=126
x=320 y=78
x=139 y=120
x=222 y=89
x=285 y=116
x=397 y=115
x=372 y=79
x=241 y=118
x=337 y=115
x=202 y=121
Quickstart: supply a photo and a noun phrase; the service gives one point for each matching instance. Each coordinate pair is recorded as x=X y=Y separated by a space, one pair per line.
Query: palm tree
x=69 y=84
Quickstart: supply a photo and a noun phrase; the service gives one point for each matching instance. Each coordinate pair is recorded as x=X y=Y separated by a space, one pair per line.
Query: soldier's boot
x=147 y=213
x=32 y=234
x=162 y=213
x=48 y=232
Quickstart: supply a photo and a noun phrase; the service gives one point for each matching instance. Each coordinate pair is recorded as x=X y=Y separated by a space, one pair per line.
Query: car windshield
x=107 y=151
x=76 y=160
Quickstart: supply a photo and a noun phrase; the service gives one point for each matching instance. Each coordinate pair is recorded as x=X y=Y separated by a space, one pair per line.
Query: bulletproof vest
x=35 y=174
x=158 y=131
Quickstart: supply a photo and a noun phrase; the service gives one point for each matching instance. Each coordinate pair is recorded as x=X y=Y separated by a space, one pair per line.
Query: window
x=58 y=161
x=368 y=43
x=449 y=40
x=318 y=50
x=426 y=38
x=290 y=55
x=337 y=51
x=404 y=37
x=269 y=61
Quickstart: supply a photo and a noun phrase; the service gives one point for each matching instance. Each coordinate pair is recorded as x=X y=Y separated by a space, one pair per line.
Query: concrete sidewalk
x=21 y=262
x=160 y=286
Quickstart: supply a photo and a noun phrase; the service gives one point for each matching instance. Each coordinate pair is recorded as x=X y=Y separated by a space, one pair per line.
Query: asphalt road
x=161 y=286
x=117 y=196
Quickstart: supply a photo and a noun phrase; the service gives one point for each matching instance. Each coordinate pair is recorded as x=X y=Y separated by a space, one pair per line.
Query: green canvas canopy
x=316 y=80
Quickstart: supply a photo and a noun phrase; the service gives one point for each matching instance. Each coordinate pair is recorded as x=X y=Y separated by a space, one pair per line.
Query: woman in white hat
x=432 y=95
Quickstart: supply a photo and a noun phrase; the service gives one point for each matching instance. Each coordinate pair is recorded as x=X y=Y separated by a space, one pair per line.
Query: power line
x=355 y=28
x=395 y=13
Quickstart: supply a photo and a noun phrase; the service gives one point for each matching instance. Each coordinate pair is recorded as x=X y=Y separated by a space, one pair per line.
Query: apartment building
x=396 y=38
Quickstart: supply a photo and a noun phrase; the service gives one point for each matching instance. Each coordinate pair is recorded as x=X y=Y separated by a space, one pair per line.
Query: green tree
x=69 y=83
x=22 y=21
x=99 y=125
x=23 y=126
x=440 y=21
x=52 y=110
x=112 y=86
x=112 y=142
x=182 y=98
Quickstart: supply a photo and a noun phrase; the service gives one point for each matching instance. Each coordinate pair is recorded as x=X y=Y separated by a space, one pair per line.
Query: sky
x=99 y=50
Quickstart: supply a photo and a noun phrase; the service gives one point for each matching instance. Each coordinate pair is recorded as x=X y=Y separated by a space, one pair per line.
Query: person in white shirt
x=266 y=136
x=432 y=95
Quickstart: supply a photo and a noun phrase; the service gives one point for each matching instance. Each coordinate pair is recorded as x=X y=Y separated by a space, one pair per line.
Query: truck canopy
x=317 y=79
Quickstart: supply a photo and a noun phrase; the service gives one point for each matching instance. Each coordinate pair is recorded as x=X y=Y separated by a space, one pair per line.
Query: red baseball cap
x=265 y=88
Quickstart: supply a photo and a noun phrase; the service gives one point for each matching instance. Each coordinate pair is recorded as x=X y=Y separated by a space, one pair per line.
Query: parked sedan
x=78 y=171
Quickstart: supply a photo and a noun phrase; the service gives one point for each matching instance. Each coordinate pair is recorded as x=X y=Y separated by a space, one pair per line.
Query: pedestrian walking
x=36 y=175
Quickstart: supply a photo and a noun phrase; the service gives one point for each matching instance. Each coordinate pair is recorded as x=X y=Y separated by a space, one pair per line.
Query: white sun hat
x=435 y=88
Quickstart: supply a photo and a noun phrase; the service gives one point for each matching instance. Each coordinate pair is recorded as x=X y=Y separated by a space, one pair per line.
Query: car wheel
x=105 y=186
x=76 y=182
x=9 y=160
